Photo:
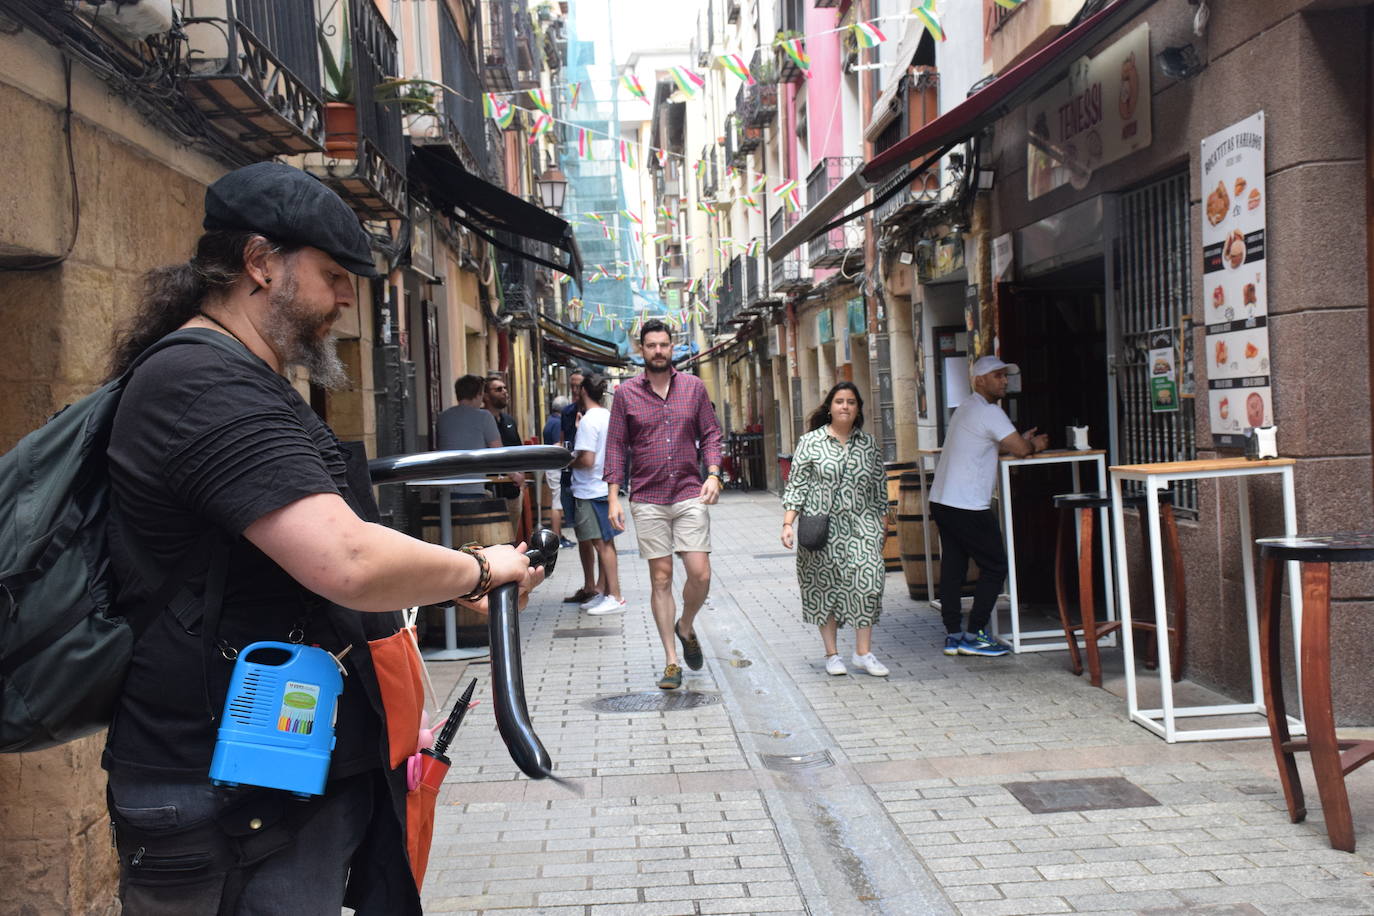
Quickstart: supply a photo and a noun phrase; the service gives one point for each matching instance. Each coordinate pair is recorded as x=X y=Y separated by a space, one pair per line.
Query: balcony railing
x=464 y=126
x=843 y=243
x=918 y=192
x=789 y=275
x=373 y=180
x=730 y=299
x=508 y=59
x=254 y=72
x=732 y=11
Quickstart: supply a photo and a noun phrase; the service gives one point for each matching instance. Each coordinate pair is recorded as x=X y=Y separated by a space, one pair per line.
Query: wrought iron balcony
x=462 y=123
x=733 y=154
x=732 y=11
x=366 y=165
x=789 y=275
x=730 y=299
x=254 y=72
x=508 y=57
x=918 y=192
x=843 y=244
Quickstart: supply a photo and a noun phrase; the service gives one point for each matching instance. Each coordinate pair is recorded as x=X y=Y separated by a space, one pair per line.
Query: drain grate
x=663 y=701
x=1053 y=795
x=578 y=632
x=811 y=761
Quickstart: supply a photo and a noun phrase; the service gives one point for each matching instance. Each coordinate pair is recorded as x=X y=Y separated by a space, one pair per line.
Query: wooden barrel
x=486 y=521
x=892 y=552
x=911 y=536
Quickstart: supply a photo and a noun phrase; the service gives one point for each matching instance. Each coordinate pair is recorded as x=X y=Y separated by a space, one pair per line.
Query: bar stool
x=1085 y=506
x=1332 y=758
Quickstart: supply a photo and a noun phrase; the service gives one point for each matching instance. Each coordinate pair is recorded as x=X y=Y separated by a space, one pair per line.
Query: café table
x=1164 y=720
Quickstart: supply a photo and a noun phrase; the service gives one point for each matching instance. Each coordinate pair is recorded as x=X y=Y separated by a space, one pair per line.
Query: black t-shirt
x=210 y=437
x=505 y=425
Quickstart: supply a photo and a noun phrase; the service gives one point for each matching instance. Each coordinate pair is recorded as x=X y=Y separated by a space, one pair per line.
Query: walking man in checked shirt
x=662 y=421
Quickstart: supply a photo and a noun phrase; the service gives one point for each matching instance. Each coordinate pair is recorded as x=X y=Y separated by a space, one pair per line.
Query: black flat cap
x=288 y=205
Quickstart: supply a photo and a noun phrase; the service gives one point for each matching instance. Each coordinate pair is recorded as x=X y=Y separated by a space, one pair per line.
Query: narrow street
x=768 y=786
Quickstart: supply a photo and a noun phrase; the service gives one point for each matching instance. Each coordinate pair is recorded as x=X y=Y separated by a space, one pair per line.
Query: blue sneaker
x=952 y=643
x=981 y=643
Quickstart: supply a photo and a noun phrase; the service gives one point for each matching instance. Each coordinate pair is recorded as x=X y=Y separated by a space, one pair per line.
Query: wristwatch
x=716 y=475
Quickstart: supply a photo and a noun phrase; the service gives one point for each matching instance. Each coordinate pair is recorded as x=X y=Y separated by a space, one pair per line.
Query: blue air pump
x=277 y=730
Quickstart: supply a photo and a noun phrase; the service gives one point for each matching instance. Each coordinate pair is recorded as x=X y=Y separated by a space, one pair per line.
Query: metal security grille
x=1154 y=253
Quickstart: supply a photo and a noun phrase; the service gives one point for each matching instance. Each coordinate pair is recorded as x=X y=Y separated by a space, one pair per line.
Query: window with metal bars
x=1154 y=291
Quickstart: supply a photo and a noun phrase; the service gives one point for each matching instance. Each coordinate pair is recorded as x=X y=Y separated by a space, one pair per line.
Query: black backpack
x=64 y=649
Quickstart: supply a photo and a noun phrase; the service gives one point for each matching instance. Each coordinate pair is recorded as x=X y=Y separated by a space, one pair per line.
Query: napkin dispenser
x=1262 y=442
x=1076 y=437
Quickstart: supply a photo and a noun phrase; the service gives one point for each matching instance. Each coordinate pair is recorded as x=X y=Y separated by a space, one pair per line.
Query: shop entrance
x=1054 y=327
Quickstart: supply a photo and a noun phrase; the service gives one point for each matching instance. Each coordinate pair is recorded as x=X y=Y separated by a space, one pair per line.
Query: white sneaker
x=870 y=664
x=591 y=602
x=835 y=665
x=607 y=605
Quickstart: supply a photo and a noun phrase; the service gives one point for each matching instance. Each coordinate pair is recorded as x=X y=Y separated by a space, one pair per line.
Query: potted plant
x=340 y=108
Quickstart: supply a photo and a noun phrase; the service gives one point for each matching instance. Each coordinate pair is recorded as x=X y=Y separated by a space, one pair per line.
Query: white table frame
x=1163 y=721
x=451 y=651
x=1054 y=637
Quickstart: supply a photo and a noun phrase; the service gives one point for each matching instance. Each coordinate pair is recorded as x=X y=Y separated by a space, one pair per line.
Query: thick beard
x=294 y=333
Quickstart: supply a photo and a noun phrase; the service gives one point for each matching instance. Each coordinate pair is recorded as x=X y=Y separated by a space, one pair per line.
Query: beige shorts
x=682 y=527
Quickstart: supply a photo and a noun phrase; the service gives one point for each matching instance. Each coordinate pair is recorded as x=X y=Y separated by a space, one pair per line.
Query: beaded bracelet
x=474 y=550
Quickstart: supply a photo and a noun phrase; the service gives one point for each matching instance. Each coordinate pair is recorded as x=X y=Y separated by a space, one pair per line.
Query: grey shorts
x=681 y=527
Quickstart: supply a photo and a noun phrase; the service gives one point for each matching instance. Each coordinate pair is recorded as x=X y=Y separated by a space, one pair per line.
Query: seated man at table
x=960 y=504
x=467 y=426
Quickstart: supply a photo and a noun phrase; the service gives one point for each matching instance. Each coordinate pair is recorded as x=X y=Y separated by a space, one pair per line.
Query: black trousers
x=966 y=533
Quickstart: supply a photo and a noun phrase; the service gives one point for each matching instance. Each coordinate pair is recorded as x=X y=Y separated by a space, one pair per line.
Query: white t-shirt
x=591 y=437
x=967 y=469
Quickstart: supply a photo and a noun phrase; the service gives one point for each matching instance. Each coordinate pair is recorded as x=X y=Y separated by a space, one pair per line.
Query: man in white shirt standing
x=592 y=520
x=960 y=504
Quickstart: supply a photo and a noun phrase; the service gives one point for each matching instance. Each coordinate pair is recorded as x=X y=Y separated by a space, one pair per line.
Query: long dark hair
x=169 y=296
x=821 y=415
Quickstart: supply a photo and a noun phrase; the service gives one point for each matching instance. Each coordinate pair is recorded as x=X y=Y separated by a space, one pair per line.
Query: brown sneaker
x=672 y=678
x=691 y=649
x=579 y=596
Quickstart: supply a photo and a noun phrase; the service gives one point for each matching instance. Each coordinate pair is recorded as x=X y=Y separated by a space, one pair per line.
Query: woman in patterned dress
x=837 y=470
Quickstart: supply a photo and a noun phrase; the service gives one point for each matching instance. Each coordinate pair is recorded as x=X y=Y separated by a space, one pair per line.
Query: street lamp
x=553 y=185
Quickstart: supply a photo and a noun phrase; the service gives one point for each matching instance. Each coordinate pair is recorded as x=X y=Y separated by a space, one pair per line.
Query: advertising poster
x=1235 y=281
x=1163 y=372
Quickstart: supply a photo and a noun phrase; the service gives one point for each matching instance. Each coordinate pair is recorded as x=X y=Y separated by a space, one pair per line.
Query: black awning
x=487 y=209
x=1013 y=88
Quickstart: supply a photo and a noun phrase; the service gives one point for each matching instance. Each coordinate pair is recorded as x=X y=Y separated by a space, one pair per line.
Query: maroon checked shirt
x=662 y=439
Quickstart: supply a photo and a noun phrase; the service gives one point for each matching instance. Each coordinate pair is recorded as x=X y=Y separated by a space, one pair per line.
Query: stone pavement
x=792 y=791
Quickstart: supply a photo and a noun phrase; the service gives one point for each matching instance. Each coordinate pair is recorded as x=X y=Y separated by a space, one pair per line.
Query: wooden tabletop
x=1202 y=465
x=1057 y=453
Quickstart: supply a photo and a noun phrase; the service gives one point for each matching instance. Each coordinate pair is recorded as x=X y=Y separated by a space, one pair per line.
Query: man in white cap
x=960 y=504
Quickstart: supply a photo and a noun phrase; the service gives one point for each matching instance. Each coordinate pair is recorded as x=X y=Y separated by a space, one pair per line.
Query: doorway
x=1054 y=328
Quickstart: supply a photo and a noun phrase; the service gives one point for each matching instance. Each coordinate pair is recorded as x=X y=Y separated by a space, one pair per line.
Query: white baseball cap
x=986 y=364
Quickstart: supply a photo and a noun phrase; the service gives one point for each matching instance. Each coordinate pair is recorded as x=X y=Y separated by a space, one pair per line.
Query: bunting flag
x=659 y=238
x=542 y=125
x=606 y=230
x=1008 y=4
x=665 y=214
x=584 y=144
x=730 y=173
x=630 y=215
x=752 y=203
x=927 y=16
x=705 y=206
x=699 y=167
x=541 y=101
x=662 y=155
x=759 y=184
x=868 y=35
x=576 y=91
x=790 y=192
x=755 y=248
x=796 y=50
x=736 y=65
x=498 y=109
x=634 y=87
x=688 y=81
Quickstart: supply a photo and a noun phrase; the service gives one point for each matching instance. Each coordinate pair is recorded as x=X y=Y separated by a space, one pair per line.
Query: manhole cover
x=576 y=632
x=660 y=701
x=774 y=556
x=812 y=761
x=1051 y=795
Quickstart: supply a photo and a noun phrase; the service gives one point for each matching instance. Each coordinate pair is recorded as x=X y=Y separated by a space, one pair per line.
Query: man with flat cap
x=961 y=505
x=233 y=498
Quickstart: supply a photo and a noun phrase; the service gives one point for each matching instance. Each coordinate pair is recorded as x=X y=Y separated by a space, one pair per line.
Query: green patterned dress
x=845 y=578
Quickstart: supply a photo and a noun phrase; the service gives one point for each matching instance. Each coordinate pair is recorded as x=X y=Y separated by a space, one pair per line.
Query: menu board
x=1235 y=282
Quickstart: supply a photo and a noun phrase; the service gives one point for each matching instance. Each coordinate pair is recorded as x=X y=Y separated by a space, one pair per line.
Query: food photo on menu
x=1237 y=409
